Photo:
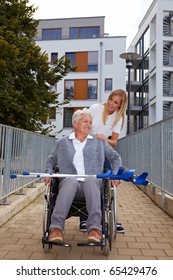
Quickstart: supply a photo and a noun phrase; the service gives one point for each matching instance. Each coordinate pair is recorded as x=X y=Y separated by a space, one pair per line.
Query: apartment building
x=99 y=71
x=152 y=74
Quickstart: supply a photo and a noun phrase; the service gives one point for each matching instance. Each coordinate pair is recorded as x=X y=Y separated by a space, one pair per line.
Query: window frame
x=88 y=32
x=107 y=86
x=51 y=34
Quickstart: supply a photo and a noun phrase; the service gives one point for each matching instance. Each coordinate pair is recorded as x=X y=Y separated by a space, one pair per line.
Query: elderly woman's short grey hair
x=79 y=113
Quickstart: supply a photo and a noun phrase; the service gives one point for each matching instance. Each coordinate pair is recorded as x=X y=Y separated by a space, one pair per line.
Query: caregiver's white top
x=97 y=123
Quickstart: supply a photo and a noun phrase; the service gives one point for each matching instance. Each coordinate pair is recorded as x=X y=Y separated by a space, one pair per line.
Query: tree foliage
x=25 y=72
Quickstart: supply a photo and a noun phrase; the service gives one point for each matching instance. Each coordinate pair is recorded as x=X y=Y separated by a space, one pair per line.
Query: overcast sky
x=121 y=17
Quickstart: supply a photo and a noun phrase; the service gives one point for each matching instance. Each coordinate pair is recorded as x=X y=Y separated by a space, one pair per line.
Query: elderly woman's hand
x=47 y=181
x=115 y=183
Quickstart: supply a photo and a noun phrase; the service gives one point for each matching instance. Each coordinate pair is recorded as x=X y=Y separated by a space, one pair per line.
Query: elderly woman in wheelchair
x=80 y=155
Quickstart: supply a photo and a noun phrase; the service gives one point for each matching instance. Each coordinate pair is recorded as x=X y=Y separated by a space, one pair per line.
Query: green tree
x=26 y=75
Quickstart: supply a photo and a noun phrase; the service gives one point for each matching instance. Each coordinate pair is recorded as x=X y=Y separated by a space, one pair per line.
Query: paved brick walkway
x=148 y=232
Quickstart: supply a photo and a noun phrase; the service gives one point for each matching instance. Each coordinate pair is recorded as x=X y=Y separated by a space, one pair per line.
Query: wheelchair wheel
x=47 y=247
x=108 y=235
x=106 y=247
x=110 y=203
x=107 y=218
x=114 y=212
x=46 y=204
x=49 y=202
x=47 y=212
x=110 y=217
x=46 y=209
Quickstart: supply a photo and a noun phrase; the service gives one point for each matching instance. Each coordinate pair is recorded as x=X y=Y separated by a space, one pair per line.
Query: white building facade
x=152 y=76
x=99 y=71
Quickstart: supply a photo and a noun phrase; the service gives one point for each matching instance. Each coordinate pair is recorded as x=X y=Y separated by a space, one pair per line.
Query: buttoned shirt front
x=78 y=159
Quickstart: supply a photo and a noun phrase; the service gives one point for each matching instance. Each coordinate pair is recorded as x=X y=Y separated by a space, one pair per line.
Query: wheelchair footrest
x=62 y=244
x=90 y=244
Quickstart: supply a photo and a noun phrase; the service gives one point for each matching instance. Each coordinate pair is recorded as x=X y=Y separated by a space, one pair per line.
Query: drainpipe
x=100 y=73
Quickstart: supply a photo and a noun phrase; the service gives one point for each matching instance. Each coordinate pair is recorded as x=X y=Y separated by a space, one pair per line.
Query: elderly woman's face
x=84 y=125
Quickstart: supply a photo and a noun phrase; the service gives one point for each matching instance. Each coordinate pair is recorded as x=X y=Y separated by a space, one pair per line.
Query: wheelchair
x=108 y=204
x=78 y=208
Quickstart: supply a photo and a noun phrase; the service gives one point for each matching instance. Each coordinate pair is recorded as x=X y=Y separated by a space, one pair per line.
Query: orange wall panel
x=82 y=61
x=81 y=90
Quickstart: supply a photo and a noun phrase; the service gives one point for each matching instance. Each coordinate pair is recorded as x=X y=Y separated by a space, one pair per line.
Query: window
x=74 y=33
x=71 y=56
x=167 y=23
x=69 y=89
x=168 y=84
x=93 y=61
x=108 y=84
x=53 y=57
x=84 y=32
x=92 y=89
x=52 y=113
x=146 y=40
x=92 y=67
x=80 y=89
x=51 y=34
x=89 y=32
x=68 y=112
x=167 y=109
x=108 y=57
